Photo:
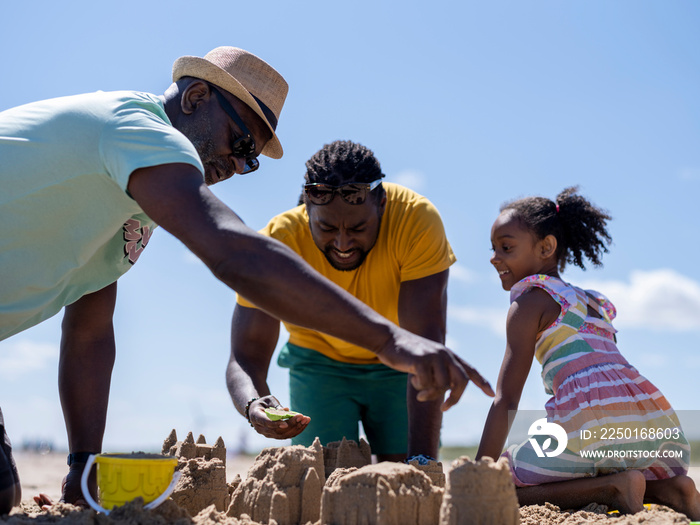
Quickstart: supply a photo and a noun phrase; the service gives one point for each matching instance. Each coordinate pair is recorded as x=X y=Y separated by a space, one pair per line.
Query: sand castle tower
x=346 y=454
x=283 y=486
x=203 y=469
x=433 y=469
x=480 y=493
x=383 y=494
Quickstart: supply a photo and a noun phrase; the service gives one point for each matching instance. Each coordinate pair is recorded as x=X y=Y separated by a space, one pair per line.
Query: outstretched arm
x=529 y=314
x=254 y=337
x=278 y=281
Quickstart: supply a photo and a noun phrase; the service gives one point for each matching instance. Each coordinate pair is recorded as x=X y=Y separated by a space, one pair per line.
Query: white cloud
x=190 y=258
x=658 y=299
x=662 y=300
x=23 y=355
x=652 y=361
x=690 y=174
x=409 y=178
x=493 y=319
x=452 y=343
x=463 y=274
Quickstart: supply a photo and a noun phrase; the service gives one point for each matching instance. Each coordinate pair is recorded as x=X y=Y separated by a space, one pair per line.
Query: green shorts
x=337 y=396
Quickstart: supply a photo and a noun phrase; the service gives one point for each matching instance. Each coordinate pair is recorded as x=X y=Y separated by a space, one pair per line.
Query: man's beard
x=201 y=139
x=327 y=252
x=329 y=249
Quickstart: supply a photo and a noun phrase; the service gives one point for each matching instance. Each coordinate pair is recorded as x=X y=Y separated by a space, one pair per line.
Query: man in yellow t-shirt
x=386 y=245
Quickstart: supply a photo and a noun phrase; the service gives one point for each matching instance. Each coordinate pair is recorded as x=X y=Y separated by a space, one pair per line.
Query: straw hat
x=245 y=76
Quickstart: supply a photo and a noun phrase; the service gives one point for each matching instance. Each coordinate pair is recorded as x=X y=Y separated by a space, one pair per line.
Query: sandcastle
x=345 y=454
x=283 y=486
x=337 y=484
x=476 y=492
x=480 y=492
x=433 y=469
x=203 y=469
x=382 y=494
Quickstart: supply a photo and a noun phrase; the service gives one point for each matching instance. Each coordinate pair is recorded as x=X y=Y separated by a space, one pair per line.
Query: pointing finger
x=458 y=384
x=477 y=378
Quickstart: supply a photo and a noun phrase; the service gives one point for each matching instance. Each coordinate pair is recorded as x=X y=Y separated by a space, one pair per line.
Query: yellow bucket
x=124 y=477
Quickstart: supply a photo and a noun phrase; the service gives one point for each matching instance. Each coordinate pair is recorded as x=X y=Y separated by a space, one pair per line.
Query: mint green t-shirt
x=67 y=224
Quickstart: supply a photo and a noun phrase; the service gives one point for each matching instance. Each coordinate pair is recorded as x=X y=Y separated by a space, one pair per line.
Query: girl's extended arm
x=528 y=315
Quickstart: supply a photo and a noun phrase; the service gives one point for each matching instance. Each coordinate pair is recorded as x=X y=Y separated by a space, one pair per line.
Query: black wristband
x=79 y=457
x=247 y=409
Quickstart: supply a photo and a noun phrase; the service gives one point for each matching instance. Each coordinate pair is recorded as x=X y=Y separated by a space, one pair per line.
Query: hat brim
x=191 y=66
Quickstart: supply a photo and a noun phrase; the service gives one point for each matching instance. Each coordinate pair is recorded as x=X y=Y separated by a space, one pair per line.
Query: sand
x=298 y=485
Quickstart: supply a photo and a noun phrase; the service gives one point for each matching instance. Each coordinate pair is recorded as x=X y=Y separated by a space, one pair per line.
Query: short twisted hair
x=342 y=162
x=578 y=226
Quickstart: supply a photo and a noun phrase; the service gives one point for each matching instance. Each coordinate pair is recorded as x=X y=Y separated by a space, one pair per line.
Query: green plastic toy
x=278 y=414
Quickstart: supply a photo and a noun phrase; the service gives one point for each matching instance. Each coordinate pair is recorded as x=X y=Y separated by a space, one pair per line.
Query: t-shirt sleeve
x=243 y=301
x=138 y=137
x=423 y=246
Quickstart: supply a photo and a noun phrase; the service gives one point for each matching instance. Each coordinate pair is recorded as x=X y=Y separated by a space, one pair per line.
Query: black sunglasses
x=243 y=147
x=352 y=192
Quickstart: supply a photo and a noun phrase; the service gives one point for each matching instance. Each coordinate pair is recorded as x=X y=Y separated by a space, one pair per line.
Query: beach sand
x=286 y=485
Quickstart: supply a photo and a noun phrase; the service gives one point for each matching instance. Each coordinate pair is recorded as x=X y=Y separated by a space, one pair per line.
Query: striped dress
x=614 y=418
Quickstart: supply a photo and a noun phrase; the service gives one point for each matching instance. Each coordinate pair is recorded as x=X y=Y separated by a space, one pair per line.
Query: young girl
x=602 y=402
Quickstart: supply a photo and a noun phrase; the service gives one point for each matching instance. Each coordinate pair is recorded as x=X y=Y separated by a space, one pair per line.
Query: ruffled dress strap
x=560 y=342
x=562 y=293
x=602 y=305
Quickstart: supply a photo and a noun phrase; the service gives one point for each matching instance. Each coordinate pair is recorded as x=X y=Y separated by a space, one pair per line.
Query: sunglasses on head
x=352 y=192
x=243 y=147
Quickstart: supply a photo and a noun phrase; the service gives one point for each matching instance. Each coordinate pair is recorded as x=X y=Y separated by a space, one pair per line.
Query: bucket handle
x=166 y=494
x=152 y=505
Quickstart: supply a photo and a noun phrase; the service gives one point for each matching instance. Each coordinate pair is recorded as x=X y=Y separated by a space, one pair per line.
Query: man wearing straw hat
x=86 y=179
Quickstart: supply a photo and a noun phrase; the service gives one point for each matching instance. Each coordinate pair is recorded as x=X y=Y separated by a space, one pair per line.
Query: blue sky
x=469 y=103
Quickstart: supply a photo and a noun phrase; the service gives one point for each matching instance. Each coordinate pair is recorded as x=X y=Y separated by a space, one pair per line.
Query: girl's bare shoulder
x=536 y=305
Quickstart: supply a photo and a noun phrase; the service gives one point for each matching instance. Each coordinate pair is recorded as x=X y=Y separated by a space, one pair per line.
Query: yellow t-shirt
x=411 y=245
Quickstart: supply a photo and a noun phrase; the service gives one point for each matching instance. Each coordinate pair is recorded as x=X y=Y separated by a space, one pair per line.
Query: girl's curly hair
x=578 y=225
